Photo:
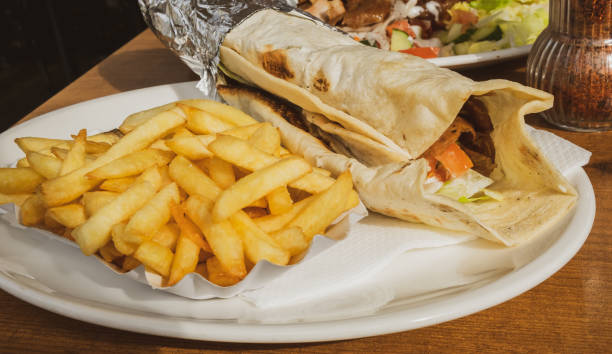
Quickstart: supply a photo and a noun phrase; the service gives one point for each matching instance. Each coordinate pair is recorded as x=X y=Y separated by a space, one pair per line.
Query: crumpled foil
x=195 y=29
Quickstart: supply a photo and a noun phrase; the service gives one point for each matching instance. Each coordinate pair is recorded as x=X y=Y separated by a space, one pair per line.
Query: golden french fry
x=224 y=241
x=109 y=253
x=110 y=137
x=61 y=154
x=76 y=155
x=259 y=203
x=94 y=201
x=19 y=180
x=192 y=147
x=324 y=208
x=192 y=179
x=185 y=259
x=52 y=225
x=95 y=232
x=32 y=211
x=55 y=192
x=279 y=200
x=95 y=147
x=27 y=144
x=118 y=185
x=129 y=263
x=136 y=119
x=17 y=199
x=244 y=155
x=271 y=223
x=23 y=162
x=69 y=215
x=257 y=244
x=291 y=239
x=153 y=215
x=201 y=122
x=188 y=228
x=243 y=132
x=132 y=164
x=240 y=153
x=351 y=201
x=266 y=139
x=228 y=113
x=152 y=175
x=258 y=184
x=217 y=274
x=160 y=144
x=180 y=131
x=47 y=166
x=220 y=171
x=167 y=235
x=118 y=239
x=321 y=171
x=155 y=256
x=313 y=183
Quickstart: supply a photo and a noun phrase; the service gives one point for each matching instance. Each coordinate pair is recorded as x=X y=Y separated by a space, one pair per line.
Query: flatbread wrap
x=424 y=144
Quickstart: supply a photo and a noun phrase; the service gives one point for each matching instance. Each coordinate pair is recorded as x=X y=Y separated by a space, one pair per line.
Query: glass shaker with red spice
x=572 y=59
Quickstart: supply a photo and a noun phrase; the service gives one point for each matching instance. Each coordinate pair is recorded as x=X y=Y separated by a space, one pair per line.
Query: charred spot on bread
x=320 y=82
x=275 y=63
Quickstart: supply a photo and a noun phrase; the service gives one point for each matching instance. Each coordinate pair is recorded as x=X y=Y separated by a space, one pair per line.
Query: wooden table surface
x=569 y=312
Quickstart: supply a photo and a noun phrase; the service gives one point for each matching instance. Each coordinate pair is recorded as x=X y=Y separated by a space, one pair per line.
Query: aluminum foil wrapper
x=194 y=29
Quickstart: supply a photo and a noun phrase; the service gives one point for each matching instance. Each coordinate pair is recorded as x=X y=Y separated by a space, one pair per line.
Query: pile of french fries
x=191 y=186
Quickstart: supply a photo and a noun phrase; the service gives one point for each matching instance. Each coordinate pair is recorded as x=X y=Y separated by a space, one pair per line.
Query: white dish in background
x=480 y=59
x=59 y=278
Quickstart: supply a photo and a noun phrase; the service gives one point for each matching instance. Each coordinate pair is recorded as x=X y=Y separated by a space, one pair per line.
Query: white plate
x=481 y=59
x=59 y=278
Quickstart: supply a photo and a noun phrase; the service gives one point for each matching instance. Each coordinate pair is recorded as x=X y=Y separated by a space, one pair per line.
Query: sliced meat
x=328 y=11
x=364 y=13
x=476 y=112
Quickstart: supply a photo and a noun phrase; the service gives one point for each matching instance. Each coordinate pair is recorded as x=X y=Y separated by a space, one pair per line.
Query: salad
x=435 y=28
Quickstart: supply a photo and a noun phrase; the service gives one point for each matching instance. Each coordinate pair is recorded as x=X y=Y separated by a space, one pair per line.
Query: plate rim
x=316 y=331
x=478 y=59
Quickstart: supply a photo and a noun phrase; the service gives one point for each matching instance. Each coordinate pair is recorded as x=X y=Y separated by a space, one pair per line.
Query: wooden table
x=569 y=312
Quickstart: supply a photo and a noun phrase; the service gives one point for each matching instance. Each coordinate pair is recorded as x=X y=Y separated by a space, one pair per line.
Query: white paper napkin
x=376 y=240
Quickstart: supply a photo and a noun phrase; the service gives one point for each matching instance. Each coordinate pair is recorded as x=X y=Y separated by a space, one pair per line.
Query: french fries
x=76 y=155
x=257 y=185
x=55 y=191
x=192 y=186
x=95 y=232
x=19 y=180
x=46 y=166
x=224 y=241
x=69 y=215
x=132 y=164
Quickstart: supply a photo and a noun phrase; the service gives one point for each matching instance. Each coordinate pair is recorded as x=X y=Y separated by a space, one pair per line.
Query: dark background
x=46 y=44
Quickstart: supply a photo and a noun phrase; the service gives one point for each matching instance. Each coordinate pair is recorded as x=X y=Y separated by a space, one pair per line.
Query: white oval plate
x=480 y=59
x=57 y=277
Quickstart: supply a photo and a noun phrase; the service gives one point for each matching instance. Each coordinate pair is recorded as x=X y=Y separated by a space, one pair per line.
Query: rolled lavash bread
x=380 y=111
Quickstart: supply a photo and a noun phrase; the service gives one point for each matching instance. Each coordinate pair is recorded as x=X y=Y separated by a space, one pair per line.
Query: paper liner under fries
x=193 y=285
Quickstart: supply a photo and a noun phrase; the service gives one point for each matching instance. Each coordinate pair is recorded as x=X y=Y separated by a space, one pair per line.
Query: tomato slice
x=455 y=160
x=423 y=52
x=401 y=25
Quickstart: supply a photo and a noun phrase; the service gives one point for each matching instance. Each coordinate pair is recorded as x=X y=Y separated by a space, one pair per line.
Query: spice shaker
x=572 y=59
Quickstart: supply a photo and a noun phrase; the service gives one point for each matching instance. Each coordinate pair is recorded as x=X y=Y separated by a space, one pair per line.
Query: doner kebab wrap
x=423 y=144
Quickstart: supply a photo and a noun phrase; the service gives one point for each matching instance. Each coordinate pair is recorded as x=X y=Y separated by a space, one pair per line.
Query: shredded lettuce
x=470 y=200
x=231 y=75
x=501 y=24
x=465 y=186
